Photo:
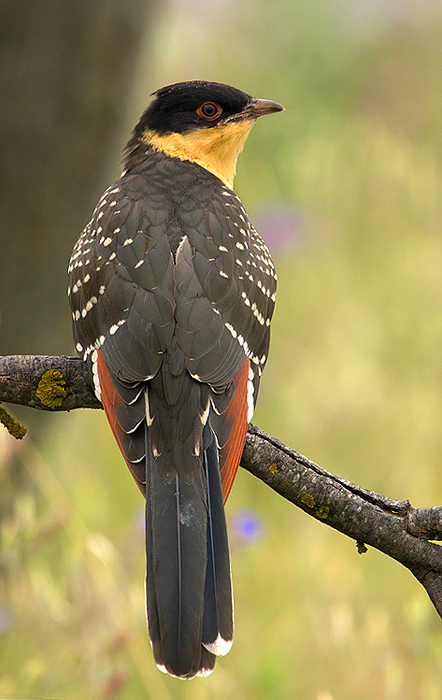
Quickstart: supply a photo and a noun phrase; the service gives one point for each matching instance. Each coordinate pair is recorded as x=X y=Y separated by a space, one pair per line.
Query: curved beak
x=257 y=108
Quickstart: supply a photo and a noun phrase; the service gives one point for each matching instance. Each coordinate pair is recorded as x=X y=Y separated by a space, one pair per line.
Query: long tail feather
x=218 y=606
x=176 y=569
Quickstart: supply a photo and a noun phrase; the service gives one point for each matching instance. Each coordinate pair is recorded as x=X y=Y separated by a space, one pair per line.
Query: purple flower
x=248 y=526
x=281 y=226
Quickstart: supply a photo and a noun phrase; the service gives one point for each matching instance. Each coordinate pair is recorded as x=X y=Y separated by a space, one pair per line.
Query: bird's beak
x=257 y=108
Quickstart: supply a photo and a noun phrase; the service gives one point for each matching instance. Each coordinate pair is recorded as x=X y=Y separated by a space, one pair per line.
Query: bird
x=172 y=292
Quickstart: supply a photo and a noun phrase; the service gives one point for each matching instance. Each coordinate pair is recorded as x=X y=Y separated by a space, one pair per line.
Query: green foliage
x=354 y=381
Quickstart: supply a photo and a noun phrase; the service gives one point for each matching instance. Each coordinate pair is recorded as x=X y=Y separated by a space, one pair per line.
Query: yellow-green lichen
x=323 y=512
x=51 y=389
x=13 y=427
x=273 y=468
x=308 y=500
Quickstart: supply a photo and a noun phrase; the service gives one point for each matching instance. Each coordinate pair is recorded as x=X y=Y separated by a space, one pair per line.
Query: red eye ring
x=209 y=110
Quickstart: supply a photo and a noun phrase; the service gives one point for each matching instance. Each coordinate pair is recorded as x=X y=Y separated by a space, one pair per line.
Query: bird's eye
x=209 y=110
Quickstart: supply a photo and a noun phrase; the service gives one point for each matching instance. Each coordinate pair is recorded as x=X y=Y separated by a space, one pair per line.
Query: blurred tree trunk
x=66 y=71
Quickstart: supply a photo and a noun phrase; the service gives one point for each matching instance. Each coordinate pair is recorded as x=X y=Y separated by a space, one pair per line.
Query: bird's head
x=203 y=122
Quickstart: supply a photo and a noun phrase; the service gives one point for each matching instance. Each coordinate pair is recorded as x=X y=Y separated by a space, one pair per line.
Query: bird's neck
x=215 y=149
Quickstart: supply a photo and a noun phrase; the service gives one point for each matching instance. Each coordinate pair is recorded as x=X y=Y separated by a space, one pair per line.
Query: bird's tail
x=188 y=583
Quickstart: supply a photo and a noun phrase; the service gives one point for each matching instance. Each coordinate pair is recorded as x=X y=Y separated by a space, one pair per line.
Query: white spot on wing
x=97 y=388
x=149 y=418
x=250 y=395
x=205 y=414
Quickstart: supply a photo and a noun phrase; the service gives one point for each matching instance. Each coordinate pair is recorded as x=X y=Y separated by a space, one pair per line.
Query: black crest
x=174 y=108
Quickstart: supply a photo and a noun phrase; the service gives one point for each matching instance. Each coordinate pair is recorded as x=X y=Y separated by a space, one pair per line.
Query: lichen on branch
x=394 y=527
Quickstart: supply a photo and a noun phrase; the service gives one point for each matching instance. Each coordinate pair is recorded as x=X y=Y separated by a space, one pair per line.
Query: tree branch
x=394 y=527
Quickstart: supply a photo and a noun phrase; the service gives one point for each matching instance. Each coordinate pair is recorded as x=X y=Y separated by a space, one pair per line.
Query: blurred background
x=346 y=188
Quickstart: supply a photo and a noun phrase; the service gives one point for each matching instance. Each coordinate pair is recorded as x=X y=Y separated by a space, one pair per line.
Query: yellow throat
x=216 y=148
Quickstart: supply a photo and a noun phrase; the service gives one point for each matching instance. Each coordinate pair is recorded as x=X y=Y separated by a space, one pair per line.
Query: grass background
x=346 y=185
